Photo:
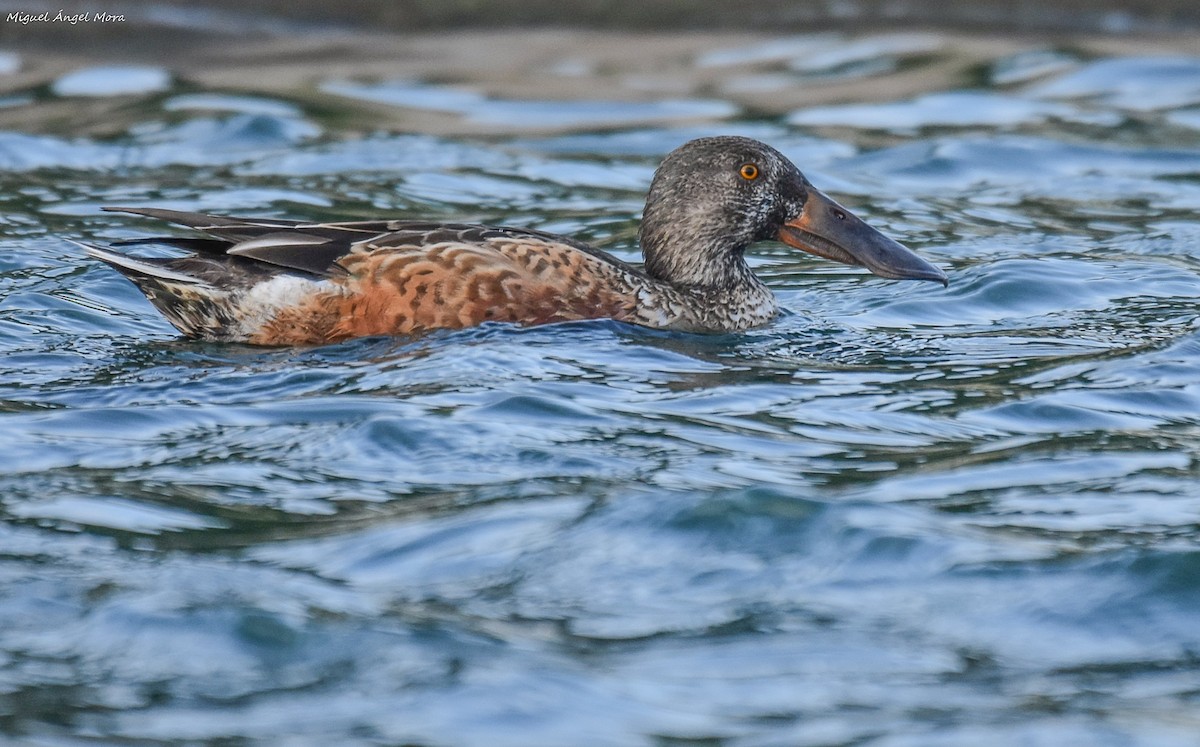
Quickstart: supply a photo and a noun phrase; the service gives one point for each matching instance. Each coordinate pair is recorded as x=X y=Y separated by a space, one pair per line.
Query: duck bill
x=828 y=230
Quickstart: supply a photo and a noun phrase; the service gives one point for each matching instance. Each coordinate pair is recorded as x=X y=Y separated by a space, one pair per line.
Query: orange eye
x=749 y=172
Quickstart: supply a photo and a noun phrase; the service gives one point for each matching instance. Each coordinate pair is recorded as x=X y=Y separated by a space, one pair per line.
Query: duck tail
x=195 y=307
x=138 y=267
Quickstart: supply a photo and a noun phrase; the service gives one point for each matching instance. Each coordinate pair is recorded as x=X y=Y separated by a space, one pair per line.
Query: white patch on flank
x=263 y=301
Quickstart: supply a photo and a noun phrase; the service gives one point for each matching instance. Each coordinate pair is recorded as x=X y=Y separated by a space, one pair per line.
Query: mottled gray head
x=710 y=199
x=713 y=197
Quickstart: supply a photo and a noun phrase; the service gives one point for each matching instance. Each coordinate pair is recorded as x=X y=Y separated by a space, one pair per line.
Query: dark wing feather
x=296 y=250
x=283 y=243
x=191 y=244
x=221 y=226
x=315 y=248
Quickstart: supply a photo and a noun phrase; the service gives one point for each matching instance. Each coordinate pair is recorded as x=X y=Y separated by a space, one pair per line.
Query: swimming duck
x=286 y=282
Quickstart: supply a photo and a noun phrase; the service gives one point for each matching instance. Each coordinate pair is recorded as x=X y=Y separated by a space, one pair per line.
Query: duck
x=273 y=282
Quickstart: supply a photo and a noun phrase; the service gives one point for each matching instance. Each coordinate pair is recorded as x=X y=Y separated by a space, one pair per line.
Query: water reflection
x=112 y=81
x=530 y=115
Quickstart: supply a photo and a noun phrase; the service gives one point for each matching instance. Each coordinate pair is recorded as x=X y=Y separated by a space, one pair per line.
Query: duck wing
x=316 y=248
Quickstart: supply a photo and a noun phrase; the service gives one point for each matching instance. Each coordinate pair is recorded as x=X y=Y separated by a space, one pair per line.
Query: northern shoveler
x=283 y=282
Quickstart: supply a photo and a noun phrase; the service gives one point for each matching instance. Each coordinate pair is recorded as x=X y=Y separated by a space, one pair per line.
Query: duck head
x=713 y=197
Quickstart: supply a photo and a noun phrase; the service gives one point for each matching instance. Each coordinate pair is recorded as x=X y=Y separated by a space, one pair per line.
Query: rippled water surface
x=900 y=515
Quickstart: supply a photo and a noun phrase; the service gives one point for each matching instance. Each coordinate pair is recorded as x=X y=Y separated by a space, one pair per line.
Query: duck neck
x=714 y=289
x=689 y=259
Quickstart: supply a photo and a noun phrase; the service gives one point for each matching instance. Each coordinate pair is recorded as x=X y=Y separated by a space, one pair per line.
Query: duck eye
x=749 y=172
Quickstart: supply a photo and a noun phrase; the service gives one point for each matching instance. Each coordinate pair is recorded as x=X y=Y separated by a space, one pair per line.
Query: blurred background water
x=901 y=515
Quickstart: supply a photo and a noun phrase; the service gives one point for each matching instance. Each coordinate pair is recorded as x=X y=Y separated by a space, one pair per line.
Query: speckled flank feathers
x=399 y=285
x=283 y=282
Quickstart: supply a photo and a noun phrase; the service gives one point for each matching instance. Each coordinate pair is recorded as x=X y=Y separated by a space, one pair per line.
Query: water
x=901 y=515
